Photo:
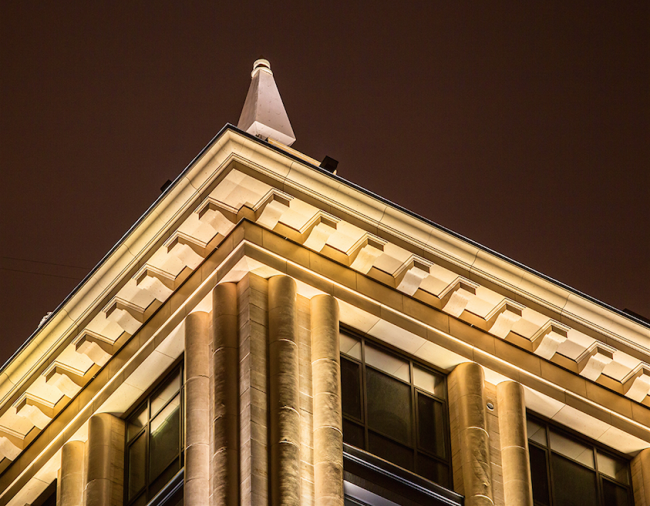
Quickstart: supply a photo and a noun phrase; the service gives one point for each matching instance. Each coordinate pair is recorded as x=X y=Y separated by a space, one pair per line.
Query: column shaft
x=105 y=475
x=284 y=378
x=473 y=435
x=225 y=460
x=326 y=380
x=71 y=481
x=197 y=411
x=515 y=461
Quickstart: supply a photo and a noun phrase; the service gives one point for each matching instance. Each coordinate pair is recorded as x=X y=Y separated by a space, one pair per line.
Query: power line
x=46 y=263
x=39 y=273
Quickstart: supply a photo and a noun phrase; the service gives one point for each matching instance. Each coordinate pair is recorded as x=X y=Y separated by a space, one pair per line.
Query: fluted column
x=71 y=481
x=515 y=461
x=225 y=460
x=105 y=477
x=284 y=393
x=197 y=411
x=473 y=435
x=328 y=423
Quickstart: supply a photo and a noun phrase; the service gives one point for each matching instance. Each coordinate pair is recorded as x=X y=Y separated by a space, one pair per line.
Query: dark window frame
x=580 y=438
x=178 y=367
x=414 y=446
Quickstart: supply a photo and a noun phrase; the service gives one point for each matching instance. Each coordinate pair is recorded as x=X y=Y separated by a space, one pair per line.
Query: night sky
x=524 y=126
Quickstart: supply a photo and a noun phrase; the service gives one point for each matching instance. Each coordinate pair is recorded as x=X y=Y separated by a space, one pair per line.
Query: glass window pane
x=614 y=495
x=573 y=449
x=137 y=421
x=164 y=443
x=353 y=434
x=351 y=388
x=536 y=432
x=572 y=483
x=137 y=460
x=142 y=501
x=349 y=345
x=429 y=382
x=390 y=451
x=539 y=474
x=388 y=363
x=433 y=470
x=163 y=479
x=389 y=406
x=165 y=392
x=613 y=467
x=431 y=426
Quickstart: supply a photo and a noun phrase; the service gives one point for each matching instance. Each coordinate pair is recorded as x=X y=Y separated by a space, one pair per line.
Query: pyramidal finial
x=263 y=113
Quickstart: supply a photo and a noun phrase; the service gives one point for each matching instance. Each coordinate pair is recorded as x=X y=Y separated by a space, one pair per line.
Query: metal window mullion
x=549 y=467
x=364 y=398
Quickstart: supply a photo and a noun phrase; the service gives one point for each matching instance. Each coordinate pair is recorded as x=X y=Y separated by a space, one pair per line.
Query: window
x=568 y=470
x=154 y=441
x=394 y=408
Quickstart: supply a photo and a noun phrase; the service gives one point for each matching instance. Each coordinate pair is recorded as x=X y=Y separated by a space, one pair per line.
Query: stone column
x=225 y=460
x=71 y=479
x=328 y=422
x=517 y=485
x=640 y=467
x=105 y=475
x=284 y=393
x=197 y=409
x=473 y=435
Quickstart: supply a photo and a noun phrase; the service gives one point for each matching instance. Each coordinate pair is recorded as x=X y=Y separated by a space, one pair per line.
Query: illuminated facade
x=268 y=333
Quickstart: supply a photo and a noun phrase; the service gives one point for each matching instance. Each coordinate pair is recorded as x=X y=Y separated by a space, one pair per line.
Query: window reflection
x=394 y=409
x=154 y=441
x=570 y=470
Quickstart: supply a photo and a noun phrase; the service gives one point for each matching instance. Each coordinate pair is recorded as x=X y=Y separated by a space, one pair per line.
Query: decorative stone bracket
x=594 y=359
x=410 y=275
x=189 y=250
x=127 y=315
x=363 y=253
x=38 y=411
x=159 y=283
x=96 y=347
x=313 y=233
x=455 y=297
x=548 y=338
x=636 y=385
x=11 y=443
x=504 y=315
x=67 y=379
x=270 y=208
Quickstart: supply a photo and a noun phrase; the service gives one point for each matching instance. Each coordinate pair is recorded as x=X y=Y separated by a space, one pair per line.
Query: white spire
x=263 y=113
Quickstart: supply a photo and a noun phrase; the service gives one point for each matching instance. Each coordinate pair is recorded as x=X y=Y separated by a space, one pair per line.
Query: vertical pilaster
x=284 y=406
x=70 y=490
x=105 y=458
x=197 y=411
x=473 y=434
x=640 y=468
x=328 y=423
x=252 y=293
x=515 y=461
x=225 y=459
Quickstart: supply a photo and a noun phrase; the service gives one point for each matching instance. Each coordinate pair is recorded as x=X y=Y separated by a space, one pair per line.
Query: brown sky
x=524 y=126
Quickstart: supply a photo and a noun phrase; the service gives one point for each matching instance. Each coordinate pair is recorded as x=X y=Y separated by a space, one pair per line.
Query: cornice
x=405 y=254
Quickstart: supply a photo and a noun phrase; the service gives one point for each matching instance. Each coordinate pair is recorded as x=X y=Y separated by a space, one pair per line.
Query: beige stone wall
x=640 y=470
